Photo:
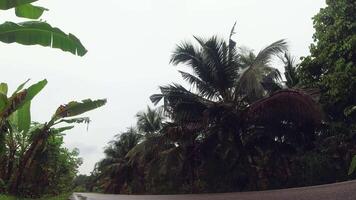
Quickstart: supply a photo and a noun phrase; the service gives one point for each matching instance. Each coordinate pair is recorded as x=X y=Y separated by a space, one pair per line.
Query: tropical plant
x=331 y=67
x=22 y=142
x=290 y=70
x=114 y=170
x=126 y=157
x=33 y=160
x=235 y=120
x=225 y=87
x=150 y=121
x=36 y=32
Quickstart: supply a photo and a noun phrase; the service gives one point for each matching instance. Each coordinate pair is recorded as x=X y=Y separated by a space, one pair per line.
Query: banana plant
x=64 y=114
x=16 y=106
x=15 y=118
x=36 y=32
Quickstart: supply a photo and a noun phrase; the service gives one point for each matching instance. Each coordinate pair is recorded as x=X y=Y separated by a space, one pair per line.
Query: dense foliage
x=33 y=160
x=332 y=68
x=237 y=128
x=59 y=197
x=331 y=65
x=241 y=125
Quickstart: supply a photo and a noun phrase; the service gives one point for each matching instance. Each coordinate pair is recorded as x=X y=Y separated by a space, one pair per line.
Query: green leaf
x=7 y=4
x=61 y=129
x=79 y=120
x=352 y=166
x=75 y=108
x=29 y=11
x=20 y=87
x=15 y=102
x=23 y=113
x=34 y=89
x=40 y=33
x=3 y=88
x=349 y=111
x=3 y=102
x=24 y=117
x=19 y=99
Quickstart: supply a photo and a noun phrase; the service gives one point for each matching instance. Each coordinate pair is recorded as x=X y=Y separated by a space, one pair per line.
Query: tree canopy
x=331 y=65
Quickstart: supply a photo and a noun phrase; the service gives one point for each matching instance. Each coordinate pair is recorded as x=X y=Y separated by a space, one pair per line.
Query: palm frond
x=258 y=78
x=232 y=43
x=149 y=121
x=147 y=149
x=290 y=68
x=271 y=81
x=246 y=56
x=249 y=85
x=221 y=61
x=204 y=89
x=233 y=56
x=265 y=56
x=187 y=54
x=176 y=93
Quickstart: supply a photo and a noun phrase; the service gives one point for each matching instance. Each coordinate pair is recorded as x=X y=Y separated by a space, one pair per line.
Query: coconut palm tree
x=224 y=78
x=222 y=123
x=114 y=170
x=232 y=94
x=290 y=68
x=220 y=76
x=150 y=121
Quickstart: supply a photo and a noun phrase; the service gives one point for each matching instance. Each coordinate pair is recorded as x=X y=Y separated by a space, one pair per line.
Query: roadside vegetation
x=239 y=124
x=242 y=125
x=33 y=160
x=60 y=197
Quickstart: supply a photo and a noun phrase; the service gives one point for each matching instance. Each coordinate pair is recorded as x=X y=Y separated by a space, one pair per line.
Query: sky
x=129 y=44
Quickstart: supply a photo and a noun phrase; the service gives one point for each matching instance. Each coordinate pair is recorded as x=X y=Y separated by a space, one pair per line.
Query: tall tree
x=114 y=170
x=228 y=125
x=232 y=105
x=331 y=65
x=150 y=121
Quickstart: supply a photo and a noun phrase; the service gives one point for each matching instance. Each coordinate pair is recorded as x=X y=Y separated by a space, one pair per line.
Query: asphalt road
x=337 y=191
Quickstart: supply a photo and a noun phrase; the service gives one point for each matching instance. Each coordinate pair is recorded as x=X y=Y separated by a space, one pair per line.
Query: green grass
x=5 y=197
x=60 y=197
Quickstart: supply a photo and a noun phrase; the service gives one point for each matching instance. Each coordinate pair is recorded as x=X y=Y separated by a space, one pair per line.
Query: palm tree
x=150 y=121
x=258 y=78
x=290 y=68
x=130 y=154
x=221 y=77
x=232 y=95
x=231 y=121
x=165 y=153
x=149 y=124
x=114 y=168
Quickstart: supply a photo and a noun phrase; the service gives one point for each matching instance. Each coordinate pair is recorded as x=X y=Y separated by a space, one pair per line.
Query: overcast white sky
x=129 y=43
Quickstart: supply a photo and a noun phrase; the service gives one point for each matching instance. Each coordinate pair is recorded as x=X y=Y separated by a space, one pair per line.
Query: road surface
x=337 y=191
